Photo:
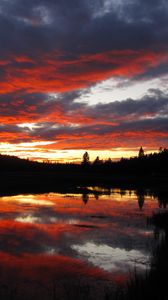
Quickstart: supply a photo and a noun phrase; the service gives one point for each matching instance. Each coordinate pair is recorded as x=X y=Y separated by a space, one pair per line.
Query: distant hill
x=14 y=163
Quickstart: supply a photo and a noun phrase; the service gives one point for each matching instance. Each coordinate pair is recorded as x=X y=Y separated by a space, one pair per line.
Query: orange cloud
x=107 y=141
x=10 y=136
x=53 y=73
x=27 y=81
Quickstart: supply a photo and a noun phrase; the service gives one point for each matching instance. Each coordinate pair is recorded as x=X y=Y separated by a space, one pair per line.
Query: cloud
x=52 y=52
x=54 y=72
x=76 y=125
x=43 y=24
x=52 y=46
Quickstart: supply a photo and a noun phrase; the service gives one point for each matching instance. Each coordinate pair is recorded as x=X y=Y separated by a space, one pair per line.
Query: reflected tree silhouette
x=140 y=193
x=162 y=200
x=85 y=198
x=141 y=200
x=122 y=193
x=96 y=196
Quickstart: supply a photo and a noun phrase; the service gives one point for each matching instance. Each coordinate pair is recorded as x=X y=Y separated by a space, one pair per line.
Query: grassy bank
x=152 y=285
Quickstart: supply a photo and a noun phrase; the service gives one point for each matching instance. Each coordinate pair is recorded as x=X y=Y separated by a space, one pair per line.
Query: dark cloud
x=158 y=125
x=83 y=26
x=65 y=46
x=41 y=41
x=124 y=120
x=69 y=118
x=149 y=105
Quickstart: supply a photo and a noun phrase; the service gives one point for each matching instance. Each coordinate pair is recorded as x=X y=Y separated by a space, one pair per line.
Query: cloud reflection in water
x=103 y=238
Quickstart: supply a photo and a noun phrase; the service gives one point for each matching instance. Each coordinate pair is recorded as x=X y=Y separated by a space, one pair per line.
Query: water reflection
x=109 y=258
x=85 y=198
x=49 y=239
x=141 y=198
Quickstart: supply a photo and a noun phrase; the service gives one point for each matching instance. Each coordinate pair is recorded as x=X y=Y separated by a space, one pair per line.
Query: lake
x=74 y=246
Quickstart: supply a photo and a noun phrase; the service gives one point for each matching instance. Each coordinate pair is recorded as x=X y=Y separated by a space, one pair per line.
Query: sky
x=83 y=75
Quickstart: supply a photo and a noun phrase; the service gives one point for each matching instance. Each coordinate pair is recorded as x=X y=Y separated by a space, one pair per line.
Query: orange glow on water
x=66 y=237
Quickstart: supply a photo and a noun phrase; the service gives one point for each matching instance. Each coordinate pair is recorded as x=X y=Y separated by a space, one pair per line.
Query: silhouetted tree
x=141 y=152
x=109 y=160
x=86 y=159
x=161 y=149
x=97 y=161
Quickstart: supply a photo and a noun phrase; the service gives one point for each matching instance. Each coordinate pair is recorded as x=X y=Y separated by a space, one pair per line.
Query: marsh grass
x=153 y=285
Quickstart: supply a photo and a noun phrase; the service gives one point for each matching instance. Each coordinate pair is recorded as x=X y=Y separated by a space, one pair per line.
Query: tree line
x=153 y=163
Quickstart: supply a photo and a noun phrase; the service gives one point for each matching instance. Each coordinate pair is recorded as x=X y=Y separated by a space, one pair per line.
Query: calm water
x=67 y=246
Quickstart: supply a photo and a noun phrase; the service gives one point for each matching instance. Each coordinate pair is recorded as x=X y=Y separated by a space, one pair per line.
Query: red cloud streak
x=53 y=73
x=107 y=141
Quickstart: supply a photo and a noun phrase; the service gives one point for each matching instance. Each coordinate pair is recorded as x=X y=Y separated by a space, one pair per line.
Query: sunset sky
x=79 y=75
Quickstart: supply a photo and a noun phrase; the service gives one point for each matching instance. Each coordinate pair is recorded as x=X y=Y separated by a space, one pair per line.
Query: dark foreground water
x=73 y=246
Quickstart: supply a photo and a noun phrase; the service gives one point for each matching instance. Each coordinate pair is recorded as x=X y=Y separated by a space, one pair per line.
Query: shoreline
x=34 y=182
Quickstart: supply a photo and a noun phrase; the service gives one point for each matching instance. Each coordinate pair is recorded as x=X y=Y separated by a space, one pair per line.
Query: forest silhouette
x=22 y=174
x=154 y=163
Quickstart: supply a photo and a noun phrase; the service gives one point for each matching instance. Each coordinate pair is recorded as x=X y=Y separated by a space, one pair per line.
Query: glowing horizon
x=32 y=152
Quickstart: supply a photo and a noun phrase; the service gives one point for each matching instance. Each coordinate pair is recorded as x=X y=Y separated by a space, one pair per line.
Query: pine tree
x=141 y=152
x=86 y=159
